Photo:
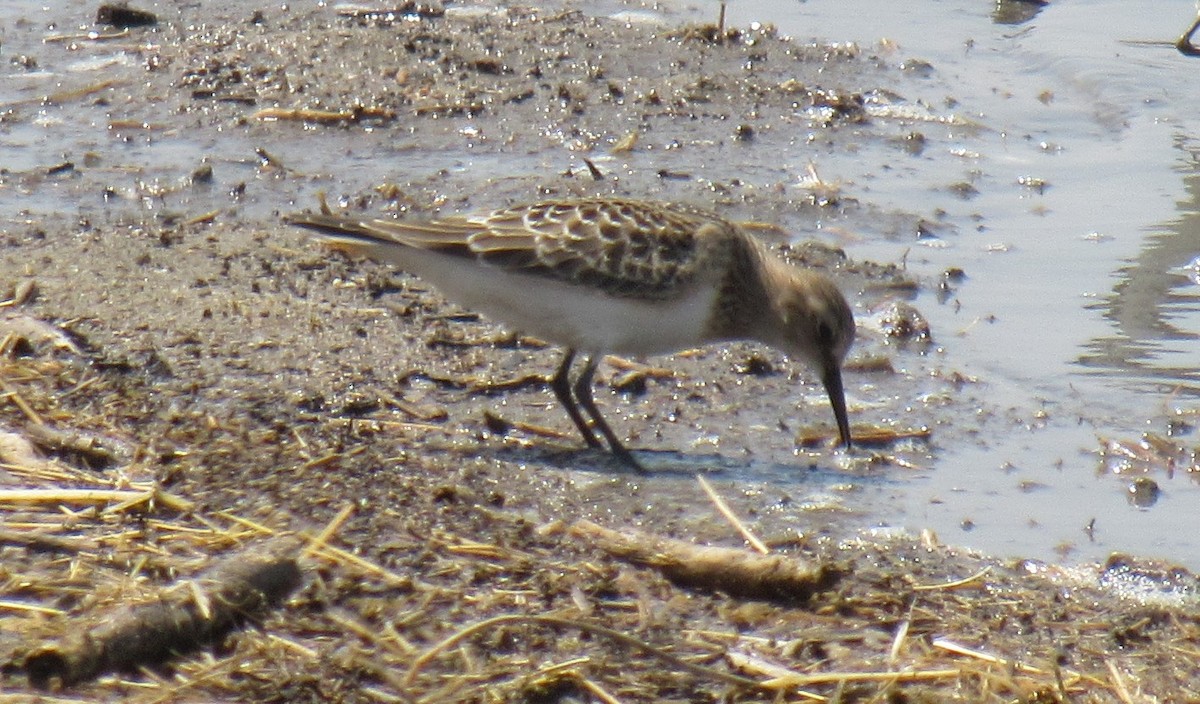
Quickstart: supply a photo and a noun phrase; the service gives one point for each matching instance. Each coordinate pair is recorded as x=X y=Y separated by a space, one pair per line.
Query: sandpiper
x=610 y=275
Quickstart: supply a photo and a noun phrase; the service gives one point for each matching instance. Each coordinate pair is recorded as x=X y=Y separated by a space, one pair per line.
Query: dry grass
x=512 y=611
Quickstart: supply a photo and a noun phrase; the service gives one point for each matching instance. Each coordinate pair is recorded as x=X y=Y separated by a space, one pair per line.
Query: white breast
x=570 y=315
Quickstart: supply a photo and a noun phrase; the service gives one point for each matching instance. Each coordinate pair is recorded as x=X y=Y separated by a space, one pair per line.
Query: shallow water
x=1080 y=313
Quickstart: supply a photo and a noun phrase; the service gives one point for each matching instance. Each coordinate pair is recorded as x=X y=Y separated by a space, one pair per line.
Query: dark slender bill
x=837 y=399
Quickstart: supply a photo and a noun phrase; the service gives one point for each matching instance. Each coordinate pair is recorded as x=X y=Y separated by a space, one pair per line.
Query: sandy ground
x=168 y=334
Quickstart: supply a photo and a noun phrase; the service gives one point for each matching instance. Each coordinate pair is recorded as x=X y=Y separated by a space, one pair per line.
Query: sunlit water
x=1080 y=314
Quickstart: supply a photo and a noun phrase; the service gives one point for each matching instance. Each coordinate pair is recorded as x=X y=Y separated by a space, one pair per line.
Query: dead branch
x=733 y=571
x=239 y=589
x=98 y=451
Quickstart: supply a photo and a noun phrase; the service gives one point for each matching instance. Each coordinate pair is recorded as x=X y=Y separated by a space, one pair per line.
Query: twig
x=33 y=608
x=724 y=510
x=124 y=499
x=20 y=403
x=597 y=691
x=321 y=540
x=202 y=218
x=802 y=680
x=329 y=552
x=1118 y=682
x=758 y=665
x=955 y=584
x=1013 y=665
x=356 y=114
x=88 y=36
x=901 y=633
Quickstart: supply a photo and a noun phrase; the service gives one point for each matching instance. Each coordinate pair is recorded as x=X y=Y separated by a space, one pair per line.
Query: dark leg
x=561 y=384
x=583 y=392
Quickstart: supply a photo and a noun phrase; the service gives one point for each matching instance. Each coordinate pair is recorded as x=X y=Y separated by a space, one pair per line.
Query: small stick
x=20 y=403
x=324 y=116
x=99 y=451
x=724 y=510
x=88 y=36
x=598 y=692
x=1119 y=681
x=1012 y=665
x=803 y=680
x=901 y=633
x=965 y=581
x=122 y=497
x=322 y=539
x=202 y=218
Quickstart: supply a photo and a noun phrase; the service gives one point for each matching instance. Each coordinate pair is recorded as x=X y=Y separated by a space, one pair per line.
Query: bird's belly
x=572 y=315
x=594 y=321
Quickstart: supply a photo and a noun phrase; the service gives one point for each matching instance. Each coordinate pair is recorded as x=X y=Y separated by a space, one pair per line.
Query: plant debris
x=182 y=390
x=175 y=622
x=739 y=573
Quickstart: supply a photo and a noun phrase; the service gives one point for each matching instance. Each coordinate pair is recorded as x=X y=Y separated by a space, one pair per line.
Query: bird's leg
x=561 y=384
x=583 y=393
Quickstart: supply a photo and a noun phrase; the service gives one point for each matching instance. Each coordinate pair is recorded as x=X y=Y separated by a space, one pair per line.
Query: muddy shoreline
x=270 y=388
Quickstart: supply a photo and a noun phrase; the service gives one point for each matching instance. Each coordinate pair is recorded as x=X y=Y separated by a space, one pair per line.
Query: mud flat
x=188 y=385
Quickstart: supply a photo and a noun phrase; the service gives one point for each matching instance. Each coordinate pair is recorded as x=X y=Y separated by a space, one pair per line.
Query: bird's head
x=815 y=323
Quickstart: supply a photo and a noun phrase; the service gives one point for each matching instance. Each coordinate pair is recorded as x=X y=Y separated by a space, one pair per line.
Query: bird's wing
x=626 y=248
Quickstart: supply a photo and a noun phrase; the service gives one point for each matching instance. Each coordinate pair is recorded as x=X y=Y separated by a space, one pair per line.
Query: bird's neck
x=743 y=300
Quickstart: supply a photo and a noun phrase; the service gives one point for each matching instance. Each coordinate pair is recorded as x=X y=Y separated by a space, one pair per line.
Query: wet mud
x=186 y=377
